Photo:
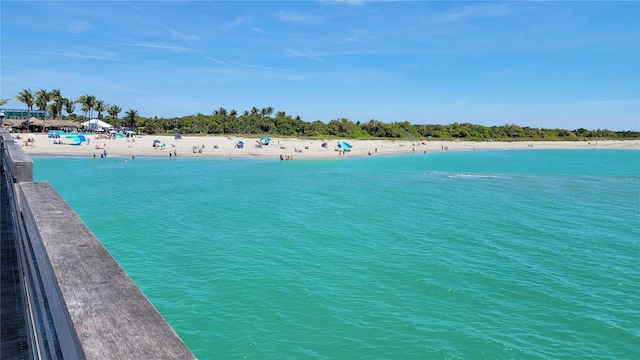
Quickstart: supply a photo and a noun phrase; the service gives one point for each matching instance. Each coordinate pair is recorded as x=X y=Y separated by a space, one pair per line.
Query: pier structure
x=63 y=295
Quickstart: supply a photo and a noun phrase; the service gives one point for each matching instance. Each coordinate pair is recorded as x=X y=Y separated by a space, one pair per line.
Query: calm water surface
x=453 y=255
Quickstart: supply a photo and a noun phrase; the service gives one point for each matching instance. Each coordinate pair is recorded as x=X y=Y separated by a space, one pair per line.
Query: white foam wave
x=465 y=176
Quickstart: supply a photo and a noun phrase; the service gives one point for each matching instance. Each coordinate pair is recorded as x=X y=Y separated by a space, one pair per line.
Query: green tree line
x=258 y=121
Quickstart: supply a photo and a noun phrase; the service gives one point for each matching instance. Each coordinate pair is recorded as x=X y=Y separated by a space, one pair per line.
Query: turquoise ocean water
x=449 y=255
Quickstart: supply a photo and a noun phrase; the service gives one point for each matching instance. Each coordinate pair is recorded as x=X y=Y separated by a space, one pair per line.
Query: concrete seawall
x=77 y=302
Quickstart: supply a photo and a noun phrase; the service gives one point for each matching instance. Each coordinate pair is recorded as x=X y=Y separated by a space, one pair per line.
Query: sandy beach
x=291 y=148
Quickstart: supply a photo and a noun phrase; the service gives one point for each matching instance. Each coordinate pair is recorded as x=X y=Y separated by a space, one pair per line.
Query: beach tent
x=177 y=135
x=344 y=145
x=240 y=144
x=78 y=139
x=95 y=124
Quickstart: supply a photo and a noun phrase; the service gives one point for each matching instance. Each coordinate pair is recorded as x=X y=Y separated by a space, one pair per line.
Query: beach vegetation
x=56 y=107
x=69 y=107
x=266 y=121
x=114 y=111
x=26 y=97
x=42 y=97
x=88 y=103
x=130 y=118
x=100 y=106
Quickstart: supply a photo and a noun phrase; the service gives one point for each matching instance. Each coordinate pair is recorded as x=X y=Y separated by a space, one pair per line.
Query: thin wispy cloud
x=236 y=21
x=187 y=38
x=292 y=17
x=264 y=67
x=71 y=55
x=181 y=54
x=466 y=13
x=157 y=46
x=356 y=36
x=216 y=60
x=299 y=54
x=132 y=6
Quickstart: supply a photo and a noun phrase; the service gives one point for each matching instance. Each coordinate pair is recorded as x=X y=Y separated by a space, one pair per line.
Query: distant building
x=24 y=114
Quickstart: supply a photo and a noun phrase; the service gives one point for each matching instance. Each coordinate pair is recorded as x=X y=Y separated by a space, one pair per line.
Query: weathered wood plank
x=99 y=313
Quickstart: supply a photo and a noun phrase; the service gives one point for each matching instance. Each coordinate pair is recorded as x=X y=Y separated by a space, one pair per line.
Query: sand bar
x=293 y=148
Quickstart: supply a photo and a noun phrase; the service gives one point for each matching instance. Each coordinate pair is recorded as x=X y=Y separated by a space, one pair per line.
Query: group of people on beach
x=198 y=149
x=103 y=154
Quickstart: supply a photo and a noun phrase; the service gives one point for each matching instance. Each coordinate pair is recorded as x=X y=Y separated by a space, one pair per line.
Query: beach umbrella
x=157 y=141
x=324 y=144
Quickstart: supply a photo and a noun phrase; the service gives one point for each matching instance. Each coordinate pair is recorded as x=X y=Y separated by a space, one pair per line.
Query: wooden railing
x=79 y=303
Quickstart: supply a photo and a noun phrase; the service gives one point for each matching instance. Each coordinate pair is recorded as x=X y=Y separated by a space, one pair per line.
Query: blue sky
x=545 y=64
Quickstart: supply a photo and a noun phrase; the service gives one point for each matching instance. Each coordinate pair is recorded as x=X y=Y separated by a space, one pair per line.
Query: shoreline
x=288 y=148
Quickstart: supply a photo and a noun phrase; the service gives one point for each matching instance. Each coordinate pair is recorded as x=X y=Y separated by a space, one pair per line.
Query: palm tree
x=58 y=101
x=82 y=100
x=130 y=117
x=86 y=109
x=222 y=111
x=268 y=110
x=69 y=106
x=26 y=97
x=88 y=104
x=42 y=98
x=100 y=106
x=233 y=113
x=4 y=101
x=54 y=109
x=114 y=110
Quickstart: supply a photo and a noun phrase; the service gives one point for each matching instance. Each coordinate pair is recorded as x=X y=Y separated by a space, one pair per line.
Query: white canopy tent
x=95 y=124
